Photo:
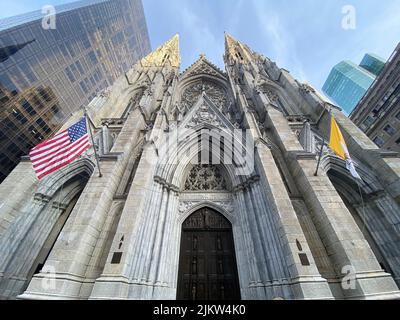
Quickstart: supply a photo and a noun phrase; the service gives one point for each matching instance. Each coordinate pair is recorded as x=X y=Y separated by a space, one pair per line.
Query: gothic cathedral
x=206 y=189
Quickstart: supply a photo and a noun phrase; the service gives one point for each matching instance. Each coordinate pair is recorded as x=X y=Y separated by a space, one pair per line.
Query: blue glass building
x=373 y=63
x=347 y=82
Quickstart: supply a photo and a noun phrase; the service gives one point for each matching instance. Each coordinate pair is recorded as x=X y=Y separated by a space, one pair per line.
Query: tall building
x=373 y=63
x=208 y=191
x=378 y=113
x=47 y=74
x=346 y=84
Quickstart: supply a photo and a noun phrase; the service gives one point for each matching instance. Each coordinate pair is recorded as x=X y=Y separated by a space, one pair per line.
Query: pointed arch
x=185 y=147
x=207 y=204
x=364 y=202
x=50 y=184
x=276 y=95
x=370 y=182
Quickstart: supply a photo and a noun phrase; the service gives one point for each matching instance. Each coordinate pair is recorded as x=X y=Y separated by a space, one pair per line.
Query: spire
x=168 y=53
x=234 y=49
x=230 y=42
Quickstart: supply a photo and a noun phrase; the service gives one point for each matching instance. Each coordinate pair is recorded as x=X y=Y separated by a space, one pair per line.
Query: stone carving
x=105 y=93
x=262 y=87
x=172 y=126
x=306 y=88
x=205 y=177
x=202 y=66
x=206 y=196
x=228 y=206
x=216 y=94
x=272 y=96
x=206 y=218
x=204 y=115
x=185 y=206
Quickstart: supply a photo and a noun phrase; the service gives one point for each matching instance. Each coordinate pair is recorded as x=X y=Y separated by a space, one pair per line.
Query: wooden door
x=207 y=267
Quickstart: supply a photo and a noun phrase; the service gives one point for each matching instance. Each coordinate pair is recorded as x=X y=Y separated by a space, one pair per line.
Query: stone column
x=31 y=246
x=168 y=246
x=11 y=245
x=19 y=230
x=253 y=283
x=75 y=246
x=271 y=240
x=128 y=276
x=13 y=196
x=305 y=280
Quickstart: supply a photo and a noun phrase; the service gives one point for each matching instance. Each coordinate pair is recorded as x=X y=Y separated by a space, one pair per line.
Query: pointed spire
x=234 y=49
x=230 y=42
x=168 y=53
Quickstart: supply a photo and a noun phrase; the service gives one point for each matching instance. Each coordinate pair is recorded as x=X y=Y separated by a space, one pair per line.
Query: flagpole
x=91 y=137
x=320 y=156
x=323 y=143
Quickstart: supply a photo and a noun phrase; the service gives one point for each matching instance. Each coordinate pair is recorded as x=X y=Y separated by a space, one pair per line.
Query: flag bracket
x=91 y=137
x=320 y=157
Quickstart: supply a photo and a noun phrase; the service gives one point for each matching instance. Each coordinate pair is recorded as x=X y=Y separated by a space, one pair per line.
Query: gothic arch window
x=238 y=55
x=165 y=58
x=205 y=177
x=192 y=93
x=132 y=103
x=274 y=98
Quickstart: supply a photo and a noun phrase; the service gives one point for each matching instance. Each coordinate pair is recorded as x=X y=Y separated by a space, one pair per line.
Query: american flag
x=60 y=150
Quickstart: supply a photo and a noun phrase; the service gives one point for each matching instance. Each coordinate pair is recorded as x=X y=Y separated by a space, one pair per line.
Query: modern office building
x=46 y=74
x=378 y=113
x=373 y=63
x=346 y=84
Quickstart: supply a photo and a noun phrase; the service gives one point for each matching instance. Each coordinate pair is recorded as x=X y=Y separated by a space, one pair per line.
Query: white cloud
x=279 y=40
x=198 y=35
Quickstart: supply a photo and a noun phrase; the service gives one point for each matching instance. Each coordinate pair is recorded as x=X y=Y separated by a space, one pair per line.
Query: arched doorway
x=207 y=266
x=349 y=192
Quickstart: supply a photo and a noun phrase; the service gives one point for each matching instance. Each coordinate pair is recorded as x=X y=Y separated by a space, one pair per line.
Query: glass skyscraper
x=47 y=74
x=347 y=82
x=373 y=63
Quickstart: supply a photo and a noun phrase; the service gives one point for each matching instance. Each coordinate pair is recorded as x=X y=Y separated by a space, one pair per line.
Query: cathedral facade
x=206 y=189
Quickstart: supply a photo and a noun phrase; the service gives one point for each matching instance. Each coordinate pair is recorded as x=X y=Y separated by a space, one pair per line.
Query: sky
x=305 y=37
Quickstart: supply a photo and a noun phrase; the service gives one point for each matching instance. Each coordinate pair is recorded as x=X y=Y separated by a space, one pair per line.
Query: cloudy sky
x=304 y=36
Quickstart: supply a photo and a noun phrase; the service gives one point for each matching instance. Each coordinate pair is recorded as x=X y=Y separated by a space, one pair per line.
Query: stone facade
x=76 y=235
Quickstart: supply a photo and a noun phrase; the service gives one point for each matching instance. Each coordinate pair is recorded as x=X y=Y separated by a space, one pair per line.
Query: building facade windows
x=379 y=141
x=64 y=68
x=389 y=130
x=369 y=121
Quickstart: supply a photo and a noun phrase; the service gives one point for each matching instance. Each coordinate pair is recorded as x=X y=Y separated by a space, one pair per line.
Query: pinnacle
x=229 y=40
x=164 y=54
x=233 y=46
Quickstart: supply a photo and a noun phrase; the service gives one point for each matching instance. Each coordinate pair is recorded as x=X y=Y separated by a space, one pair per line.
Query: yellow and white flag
x=338 y=145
